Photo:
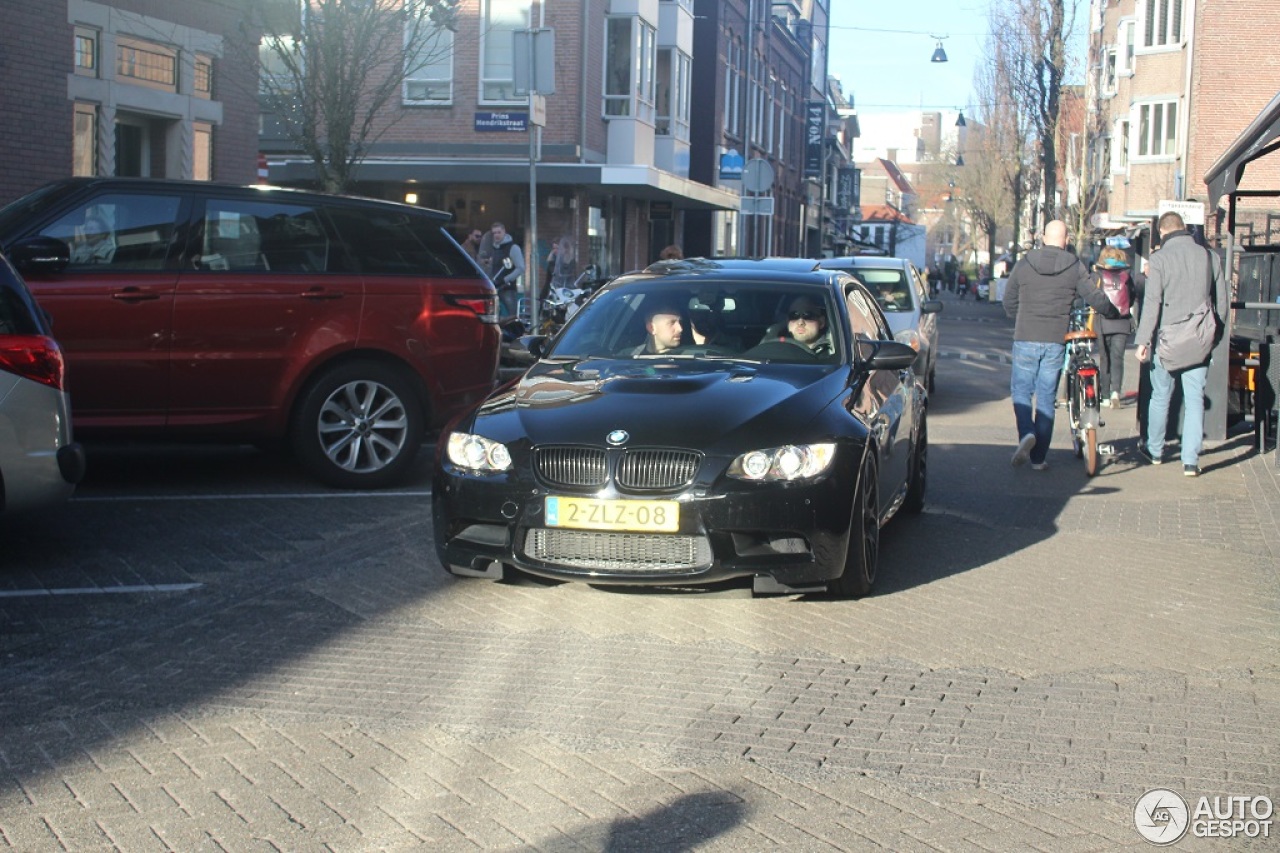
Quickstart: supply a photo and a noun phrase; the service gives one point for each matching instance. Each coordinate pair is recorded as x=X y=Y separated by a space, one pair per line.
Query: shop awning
x=1259 y=139
x=635 y=182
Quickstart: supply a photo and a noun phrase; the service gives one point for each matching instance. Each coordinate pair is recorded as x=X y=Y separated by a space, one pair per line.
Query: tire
x=1090 y=451
x=358 y=425
x=1085 y=437
x=918 y=479
x=862 y=554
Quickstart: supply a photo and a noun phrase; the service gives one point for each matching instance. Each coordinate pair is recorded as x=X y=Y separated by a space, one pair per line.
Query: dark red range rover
x=347 y=327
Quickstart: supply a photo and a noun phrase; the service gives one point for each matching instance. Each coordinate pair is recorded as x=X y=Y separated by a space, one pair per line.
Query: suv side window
x=397 y=243
x=239 y=235
x=119 y=231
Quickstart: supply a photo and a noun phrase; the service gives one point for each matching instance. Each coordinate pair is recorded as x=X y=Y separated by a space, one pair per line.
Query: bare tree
x=331 y=69
x=998 y=84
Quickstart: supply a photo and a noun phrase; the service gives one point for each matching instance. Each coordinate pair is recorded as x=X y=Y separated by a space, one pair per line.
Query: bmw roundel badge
x=617 y=437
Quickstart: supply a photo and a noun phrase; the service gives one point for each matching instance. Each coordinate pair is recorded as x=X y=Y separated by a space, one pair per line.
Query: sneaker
x=1023 y=453
x=1105 y=403
x=1039 y=466
x=1115 y=400
x=1146 y=455
x=1187 y=471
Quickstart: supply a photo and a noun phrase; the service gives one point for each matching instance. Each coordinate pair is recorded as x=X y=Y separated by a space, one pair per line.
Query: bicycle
x=1080 y=367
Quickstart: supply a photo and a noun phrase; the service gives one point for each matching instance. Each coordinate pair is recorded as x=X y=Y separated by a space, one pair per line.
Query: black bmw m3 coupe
x=694 y=423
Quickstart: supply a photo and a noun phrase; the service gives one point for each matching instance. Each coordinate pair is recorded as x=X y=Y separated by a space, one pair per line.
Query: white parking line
x=250 y=497
x=101 y=590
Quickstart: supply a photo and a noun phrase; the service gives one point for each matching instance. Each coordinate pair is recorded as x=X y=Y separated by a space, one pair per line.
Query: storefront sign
x=815 y=124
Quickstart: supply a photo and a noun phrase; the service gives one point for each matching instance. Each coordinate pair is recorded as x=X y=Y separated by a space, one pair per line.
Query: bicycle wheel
x=1073 y=411
x=1086 y=435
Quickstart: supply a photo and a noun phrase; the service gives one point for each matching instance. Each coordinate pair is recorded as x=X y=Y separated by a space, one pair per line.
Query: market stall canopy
x=1258 y=140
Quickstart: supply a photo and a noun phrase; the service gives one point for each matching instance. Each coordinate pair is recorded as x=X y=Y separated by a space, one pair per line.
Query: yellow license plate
x=624 y=515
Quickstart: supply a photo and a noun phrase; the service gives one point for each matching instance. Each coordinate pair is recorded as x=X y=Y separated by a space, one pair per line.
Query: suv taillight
x=485 y=307
x=33 y=357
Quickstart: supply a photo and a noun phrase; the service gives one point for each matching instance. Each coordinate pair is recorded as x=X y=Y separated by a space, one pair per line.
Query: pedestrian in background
x=471 y=245
x=1181 y=277
x=671 y=253
x=1115 y=279
x=506 y=265
x=562 y=266
x=1038 y=298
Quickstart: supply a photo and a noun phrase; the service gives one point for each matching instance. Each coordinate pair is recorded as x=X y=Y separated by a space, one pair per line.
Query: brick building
x=648 y=96
x=613 y=172
x=1173 y=84
x=133 y=87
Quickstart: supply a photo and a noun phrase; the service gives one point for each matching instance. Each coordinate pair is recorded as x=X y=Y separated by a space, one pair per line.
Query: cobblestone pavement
x=1043 y=648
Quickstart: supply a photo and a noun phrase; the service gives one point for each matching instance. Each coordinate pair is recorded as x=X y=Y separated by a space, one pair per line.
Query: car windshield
x=890 y=288
x=755 y=321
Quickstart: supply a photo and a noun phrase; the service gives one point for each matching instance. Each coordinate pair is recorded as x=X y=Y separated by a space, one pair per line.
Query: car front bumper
x=794 y=533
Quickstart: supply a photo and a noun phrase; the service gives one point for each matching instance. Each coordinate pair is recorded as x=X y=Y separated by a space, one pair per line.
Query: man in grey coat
x=1038 y=297
x=1181 y=275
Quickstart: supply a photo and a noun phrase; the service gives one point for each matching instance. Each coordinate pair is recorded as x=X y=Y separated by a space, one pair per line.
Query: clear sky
x=880 y=50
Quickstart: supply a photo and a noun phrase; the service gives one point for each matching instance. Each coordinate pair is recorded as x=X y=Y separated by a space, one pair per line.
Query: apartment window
x=630 y=67
x=280 y=61
x=733 y=89
x=86 y=45
x=202 y=85
x=84 y=143
x=1124 y=47
x=1157 y=129
x=783 y=104
x=500 y=18
x=147 y=63
x=202 y=151
x=1108 y=71
x=673 y=93
x=428 y=60
x=1120 y=146
x=1162 y=23
x=771 y=107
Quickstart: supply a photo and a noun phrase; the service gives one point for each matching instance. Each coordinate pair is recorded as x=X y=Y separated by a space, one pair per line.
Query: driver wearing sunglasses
x=807 y=325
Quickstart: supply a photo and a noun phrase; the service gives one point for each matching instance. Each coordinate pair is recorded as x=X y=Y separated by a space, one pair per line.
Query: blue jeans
x=1193 y=379
x=1035 y=374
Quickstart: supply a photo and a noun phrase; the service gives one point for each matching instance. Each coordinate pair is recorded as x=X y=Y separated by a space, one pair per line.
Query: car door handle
x=321 y=293
x=134 y=294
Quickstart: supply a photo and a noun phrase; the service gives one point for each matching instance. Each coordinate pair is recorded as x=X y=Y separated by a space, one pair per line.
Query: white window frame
x=431 y=76
x=1109 y=71
x=498 y=20
x=635 y=96
x=1164 y=20
x=1160 y=130
x=1120 y=146
x=1126 y=34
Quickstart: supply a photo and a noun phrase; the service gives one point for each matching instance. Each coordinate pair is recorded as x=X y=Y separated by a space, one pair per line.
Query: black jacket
x=1040 y=291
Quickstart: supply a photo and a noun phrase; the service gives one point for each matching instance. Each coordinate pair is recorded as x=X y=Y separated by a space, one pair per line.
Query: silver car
x=39 y=463
x=903 y=294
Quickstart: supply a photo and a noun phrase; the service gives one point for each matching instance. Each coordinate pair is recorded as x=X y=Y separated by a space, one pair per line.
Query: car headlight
x=477 y=453
x=910 y=337
x=790 y=462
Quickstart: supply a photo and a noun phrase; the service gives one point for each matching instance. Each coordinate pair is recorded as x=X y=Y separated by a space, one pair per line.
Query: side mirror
x=885 y=355
x=40 y=255
x=932 y=306
x=537 y=345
